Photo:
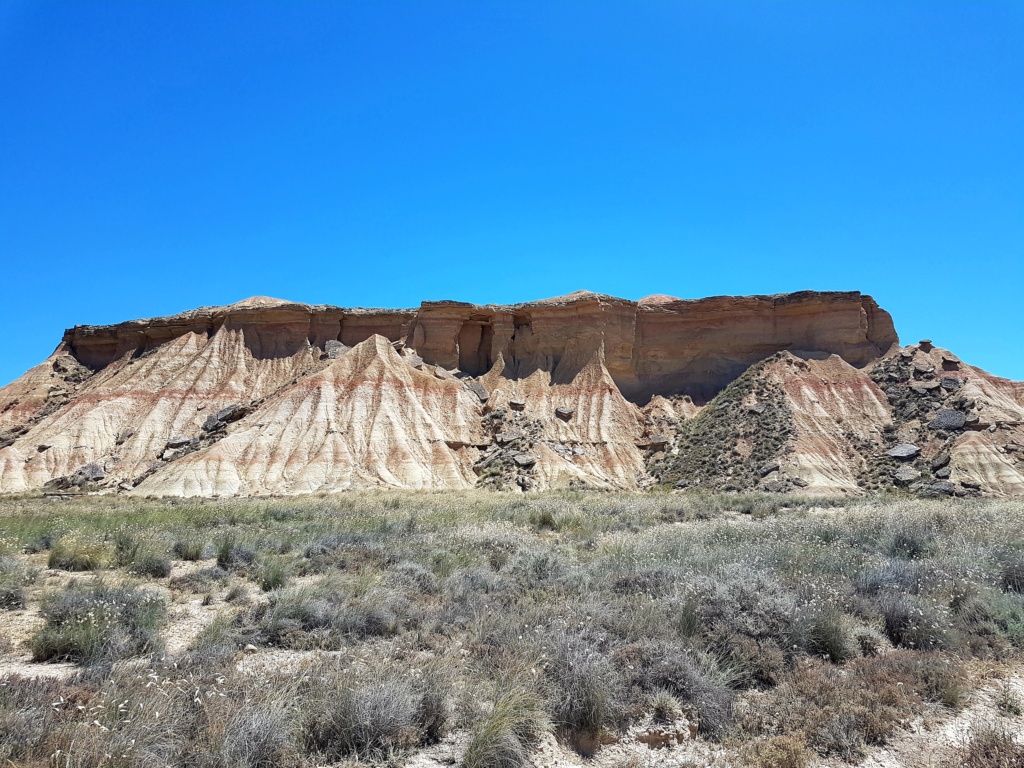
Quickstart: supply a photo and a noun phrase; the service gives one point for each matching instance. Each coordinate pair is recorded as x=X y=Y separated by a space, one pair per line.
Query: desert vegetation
x=477 y=628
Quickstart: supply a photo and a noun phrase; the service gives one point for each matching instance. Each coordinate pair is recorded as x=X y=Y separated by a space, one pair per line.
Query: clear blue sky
x=156 y=156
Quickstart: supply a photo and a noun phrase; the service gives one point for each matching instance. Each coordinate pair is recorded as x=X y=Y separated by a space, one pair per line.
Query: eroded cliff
x=268 y=396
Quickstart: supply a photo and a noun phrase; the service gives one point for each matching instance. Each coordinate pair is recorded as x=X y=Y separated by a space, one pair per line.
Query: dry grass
x=387 y=621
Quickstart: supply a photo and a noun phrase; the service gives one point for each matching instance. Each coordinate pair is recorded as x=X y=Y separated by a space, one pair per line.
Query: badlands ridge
x=805 y=392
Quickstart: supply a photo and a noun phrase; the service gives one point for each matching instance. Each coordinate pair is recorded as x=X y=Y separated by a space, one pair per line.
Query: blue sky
x=156 y=156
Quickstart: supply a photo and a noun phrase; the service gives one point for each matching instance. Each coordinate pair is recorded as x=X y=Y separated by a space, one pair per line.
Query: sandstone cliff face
x=267 y=396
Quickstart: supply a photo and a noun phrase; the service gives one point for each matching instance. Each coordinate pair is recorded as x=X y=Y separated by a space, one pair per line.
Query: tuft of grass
x=507 y=736
x=1008 y=702
x=585 y=686
x=230 y=554
x=98 y=623
x=1012 y=576
x=152 y=565
x=74 y=555
x=190 y=549
x=826 y=633
x=372 y=714
x=259 y=736
x=272 y=575
x=14 y=577
x=201 y=580
x=912 y=623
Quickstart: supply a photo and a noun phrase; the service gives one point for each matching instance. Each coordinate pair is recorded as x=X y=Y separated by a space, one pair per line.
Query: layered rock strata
x=785 y=393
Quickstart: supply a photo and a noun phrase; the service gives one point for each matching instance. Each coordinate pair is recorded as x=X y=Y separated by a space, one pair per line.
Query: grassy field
x=474 y=628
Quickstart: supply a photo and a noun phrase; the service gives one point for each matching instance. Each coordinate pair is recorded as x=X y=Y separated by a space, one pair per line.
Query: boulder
x=950 y=383
x=948 y=420
x=799 y=482
x=178 y=441
x=941 y=488
x=940 y=460
x=903 y=451
x=524 y=460
x=89 y=473
x=564 y=413
x=477 y=389
x=924 y=387
x=225 y=416
x=768 y=467
x=971 y=484
x=923 y=367
x=774 y=486
x=517 y=405
x=943 y=473
x=905 y=475
x=333 y=349
x=925 y=345
x=657 y=442
x=507 y=438
x=212 y=423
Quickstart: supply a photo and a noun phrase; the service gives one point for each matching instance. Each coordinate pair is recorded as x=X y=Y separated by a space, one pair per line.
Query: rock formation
x=805 y=392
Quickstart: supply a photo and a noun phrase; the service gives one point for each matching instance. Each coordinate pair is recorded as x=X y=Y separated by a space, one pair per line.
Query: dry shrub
x=838 y=711
x=989 y=747
x=697 y=682
x=98 y=623
x=786 y=751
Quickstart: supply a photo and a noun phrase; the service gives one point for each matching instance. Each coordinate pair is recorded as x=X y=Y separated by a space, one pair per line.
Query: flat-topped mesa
x=804 y=392
x=659 y=345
